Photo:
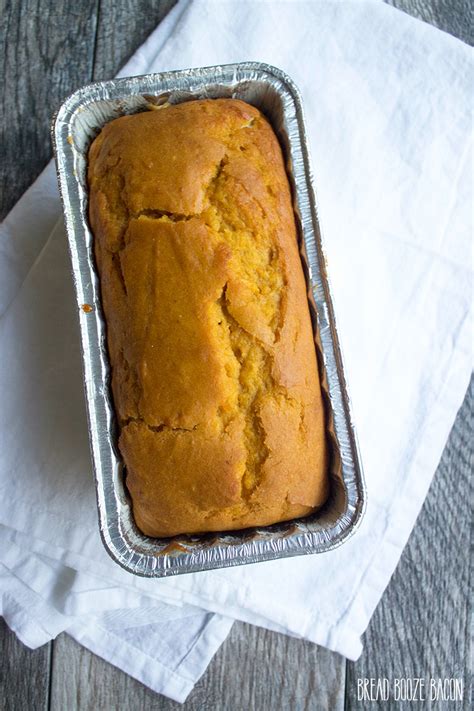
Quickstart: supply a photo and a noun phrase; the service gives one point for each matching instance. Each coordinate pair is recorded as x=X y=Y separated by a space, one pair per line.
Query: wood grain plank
x=254 y=669
x=421 y=627
x=262 y=670
x=39 y=39
x=24 y=674
x=47 y=53
x=453 y=16
x=123 y=26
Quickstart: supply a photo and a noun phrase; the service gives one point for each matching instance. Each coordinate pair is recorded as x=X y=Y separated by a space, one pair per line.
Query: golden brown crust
x=214 y=370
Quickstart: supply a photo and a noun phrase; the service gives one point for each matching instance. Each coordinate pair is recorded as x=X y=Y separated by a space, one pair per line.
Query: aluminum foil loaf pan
x=76 y=124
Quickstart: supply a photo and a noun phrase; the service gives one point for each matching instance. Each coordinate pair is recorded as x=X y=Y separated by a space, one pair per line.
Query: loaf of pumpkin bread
x=213 y=364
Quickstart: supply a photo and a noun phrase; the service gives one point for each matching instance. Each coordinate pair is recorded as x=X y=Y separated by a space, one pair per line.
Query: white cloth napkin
x=388 y=110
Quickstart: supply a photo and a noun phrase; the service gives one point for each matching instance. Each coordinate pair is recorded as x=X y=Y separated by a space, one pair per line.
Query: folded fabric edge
x=199 y=598
x=177 y=683
x=71 y=592
x=24 y=627
x=21 y=254
x=173 y=682
x=346 y=633
x=416 y=22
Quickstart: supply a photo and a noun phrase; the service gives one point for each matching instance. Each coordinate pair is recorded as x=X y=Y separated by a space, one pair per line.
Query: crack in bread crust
x=248 y=352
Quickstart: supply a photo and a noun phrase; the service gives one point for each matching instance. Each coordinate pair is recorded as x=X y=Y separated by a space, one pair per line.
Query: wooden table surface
x=420 y=628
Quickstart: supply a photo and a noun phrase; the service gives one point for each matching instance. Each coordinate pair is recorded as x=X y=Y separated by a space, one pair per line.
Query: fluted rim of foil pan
x=75 y=124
